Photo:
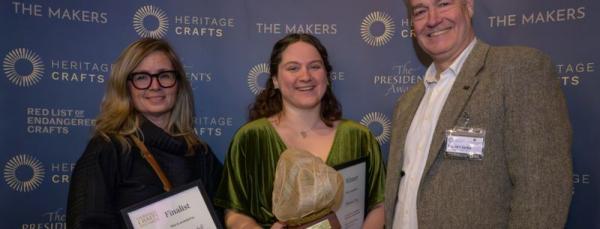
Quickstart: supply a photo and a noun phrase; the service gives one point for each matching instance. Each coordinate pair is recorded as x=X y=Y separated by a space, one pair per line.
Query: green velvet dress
x=247 y=183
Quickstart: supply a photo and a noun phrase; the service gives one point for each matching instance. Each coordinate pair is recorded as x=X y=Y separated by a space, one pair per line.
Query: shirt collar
x=454 y=68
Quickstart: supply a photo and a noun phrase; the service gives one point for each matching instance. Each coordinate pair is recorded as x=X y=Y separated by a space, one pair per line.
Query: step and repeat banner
x=57 y=56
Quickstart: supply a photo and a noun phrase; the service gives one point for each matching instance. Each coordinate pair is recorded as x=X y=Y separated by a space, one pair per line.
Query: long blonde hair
x=119 y=119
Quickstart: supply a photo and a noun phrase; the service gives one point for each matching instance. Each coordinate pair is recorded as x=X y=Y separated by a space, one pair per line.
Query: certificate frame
x=351 y=217
x=178 y=194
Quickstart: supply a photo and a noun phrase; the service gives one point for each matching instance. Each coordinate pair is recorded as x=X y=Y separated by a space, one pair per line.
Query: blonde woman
x=147 y=108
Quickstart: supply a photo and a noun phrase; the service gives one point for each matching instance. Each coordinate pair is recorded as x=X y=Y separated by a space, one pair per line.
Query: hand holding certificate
x=352 y=210
x=186 y=207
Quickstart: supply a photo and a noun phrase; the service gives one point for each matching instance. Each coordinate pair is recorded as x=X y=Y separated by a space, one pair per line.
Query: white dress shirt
x=418 y=140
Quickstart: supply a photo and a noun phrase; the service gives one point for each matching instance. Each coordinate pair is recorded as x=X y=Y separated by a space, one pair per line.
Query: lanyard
x=150 y=159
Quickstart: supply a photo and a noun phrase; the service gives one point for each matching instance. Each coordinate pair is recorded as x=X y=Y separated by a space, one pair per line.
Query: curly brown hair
x=269 y=102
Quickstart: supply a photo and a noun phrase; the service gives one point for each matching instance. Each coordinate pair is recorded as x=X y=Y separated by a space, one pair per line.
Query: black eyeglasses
x=143 y=80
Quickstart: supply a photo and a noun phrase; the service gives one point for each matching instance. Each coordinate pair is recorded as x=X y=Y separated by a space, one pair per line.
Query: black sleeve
x=91 y=200
x=214 y=170
x=211 y=171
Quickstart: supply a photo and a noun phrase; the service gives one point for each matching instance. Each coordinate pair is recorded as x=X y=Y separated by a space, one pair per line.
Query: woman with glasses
x=147 y=109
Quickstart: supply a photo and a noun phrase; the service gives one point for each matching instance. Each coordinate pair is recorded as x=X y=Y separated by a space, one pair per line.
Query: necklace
x=304 y=133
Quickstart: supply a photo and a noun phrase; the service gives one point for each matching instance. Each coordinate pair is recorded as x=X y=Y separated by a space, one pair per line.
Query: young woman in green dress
x=298 y=110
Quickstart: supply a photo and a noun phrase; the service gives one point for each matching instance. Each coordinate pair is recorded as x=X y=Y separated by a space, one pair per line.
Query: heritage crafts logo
x=79 y=71
x=581 y=180
x=379 y=124
x=253 y=77
x=575 y=74
x=373 y=20
x=213 y=125
x=23 y=67
x=24 y=173
x=152 y=21
x=158 y=15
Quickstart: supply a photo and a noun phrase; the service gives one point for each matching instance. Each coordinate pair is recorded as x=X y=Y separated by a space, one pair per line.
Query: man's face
x=443 y=27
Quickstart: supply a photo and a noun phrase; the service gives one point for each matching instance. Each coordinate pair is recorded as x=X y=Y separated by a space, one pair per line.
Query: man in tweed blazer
x=525 y=177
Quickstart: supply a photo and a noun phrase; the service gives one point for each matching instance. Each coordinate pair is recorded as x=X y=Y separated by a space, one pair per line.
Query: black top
x=106 y=179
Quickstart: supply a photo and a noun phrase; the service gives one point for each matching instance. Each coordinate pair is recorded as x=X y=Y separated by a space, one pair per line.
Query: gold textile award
x=306 y=191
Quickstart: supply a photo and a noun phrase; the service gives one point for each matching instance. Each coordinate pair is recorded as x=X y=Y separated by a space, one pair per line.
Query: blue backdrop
x=57 y=57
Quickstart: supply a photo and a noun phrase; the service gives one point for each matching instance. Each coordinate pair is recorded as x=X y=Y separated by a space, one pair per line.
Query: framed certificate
x=351 y=213
x=187 y=206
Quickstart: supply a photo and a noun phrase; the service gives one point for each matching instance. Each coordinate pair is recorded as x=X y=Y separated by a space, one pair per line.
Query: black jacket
x=106 y=179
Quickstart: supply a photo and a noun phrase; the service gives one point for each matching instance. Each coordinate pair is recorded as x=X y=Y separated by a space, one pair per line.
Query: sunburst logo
x=374 y=18
x=150 y=11
x=29 y=78
x=384 y=123
x=254 y=74
x=31 y=173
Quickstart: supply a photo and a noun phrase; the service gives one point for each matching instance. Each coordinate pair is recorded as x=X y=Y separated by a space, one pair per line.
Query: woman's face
x=302 y=77
x=155 y=102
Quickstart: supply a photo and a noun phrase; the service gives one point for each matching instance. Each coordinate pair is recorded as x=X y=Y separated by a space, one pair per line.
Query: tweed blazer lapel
x=460 y=94
x=403 y=115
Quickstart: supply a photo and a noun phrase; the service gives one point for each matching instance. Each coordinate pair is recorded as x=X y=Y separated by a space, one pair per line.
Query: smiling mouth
x=155 y=98
x=438 y=32
x=305 y=88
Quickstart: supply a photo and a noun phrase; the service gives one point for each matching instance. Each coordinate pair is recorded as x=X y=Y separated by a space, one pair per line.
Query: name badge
x=465 y=143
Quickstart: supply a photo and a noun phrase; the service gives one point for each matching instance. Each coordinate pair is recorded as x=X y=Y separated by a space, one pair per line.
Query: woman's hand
x=278 y=225
x=237 y=220
x=375 y=218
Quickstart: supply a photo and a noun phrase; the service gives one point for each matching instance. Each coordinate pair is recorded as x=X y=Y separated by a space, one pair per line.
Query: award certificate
x=352 y=210
x=187 y=206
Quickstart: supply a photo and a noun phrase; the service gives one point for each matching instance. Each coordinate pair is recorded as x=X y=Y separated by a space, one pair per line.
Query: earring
x=275 y=85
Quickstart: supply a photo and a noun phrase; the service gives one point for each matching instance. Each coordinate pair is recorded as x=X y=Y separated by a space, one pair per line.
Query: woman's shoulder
x=100 y=153
x=101 y=148
x=351 y=125
x=255 y=126
x=100 y=143
x=352 y=128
